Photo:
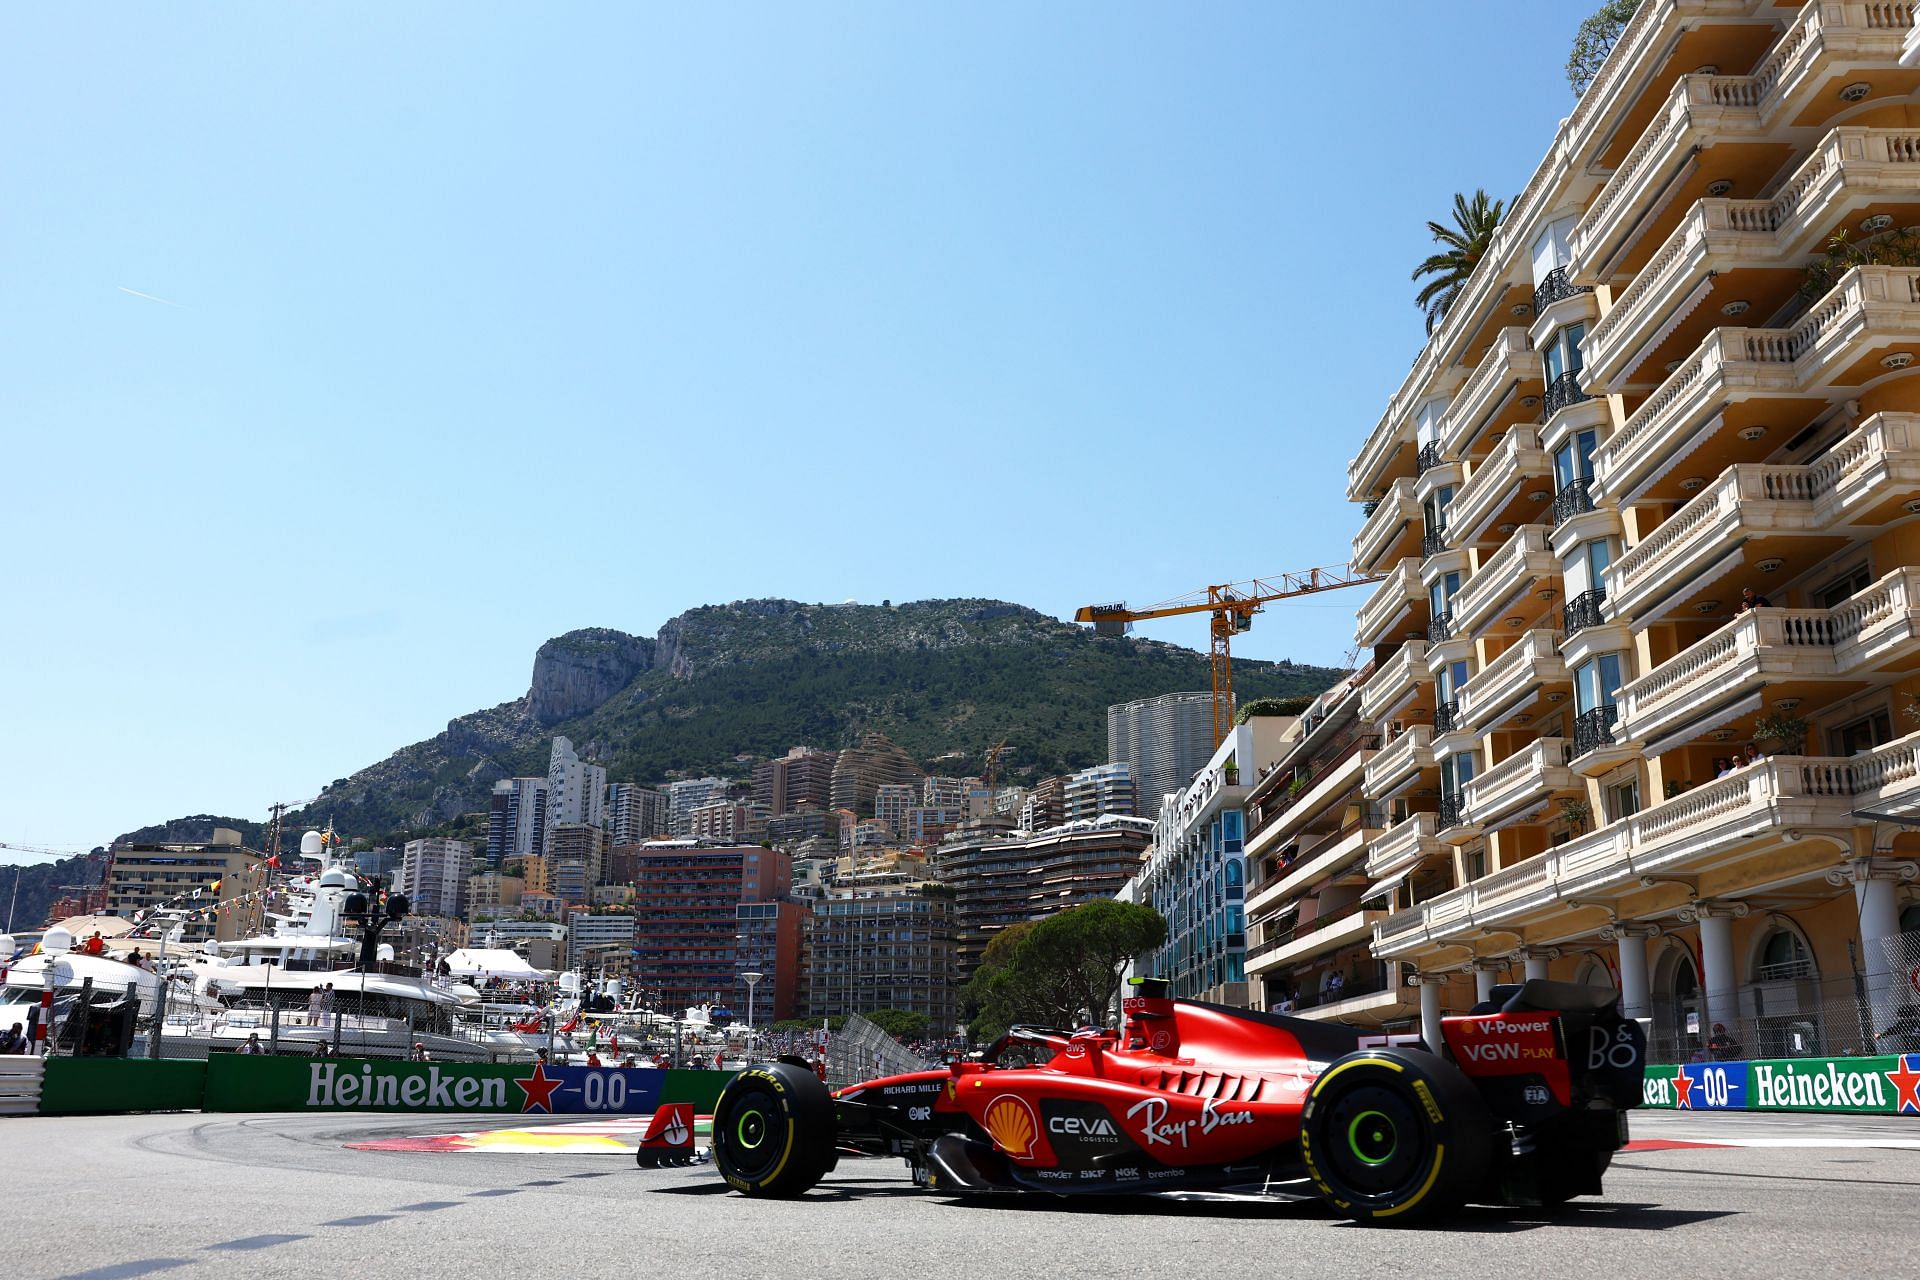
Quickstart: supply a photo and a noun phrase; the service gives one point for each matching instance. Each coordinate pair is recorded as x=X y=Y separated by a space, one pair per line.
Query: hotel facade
x=1578 y=747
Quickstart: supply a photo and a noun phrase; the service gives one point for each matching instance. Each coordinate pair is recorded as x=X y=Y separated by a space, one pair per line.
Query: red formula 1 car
x=1526 y=1107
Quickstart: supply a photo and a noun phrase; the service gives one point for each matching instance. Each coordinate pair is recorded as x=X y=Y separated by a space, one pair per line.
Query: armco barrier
x=237 y=1082
x=20 y=1077
x=1885 y=1085
x=101 y=1086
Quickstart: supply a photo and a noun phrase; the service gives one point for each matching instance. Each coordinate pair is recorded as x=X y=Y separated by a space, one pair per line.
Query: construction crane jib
x=1232 y=606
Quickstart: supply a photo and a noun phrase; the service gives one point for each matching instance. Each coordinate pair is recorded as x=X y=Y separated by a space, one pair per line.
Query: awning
x=1703 y=724
x=1387 y=886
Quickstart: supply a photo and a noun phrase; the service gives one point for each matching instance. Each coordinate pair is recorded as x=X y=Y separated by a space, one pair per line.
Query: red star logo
x=1683 y=1085
x=1906 y=1083
x=539 y=1089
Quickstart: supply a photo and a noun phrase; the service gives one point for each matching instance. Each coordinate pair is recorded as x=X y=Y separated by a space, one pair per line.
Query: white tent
x=482 y=962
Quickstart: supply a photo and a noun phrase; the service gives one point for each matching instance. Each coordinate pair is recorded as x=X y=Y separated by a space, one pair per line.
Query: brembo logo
x=1011 y=1124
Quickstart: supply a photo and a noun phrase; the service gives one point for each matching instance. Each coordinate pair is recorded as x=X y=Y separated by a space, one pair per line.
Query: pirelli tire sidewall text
x=1395 y=1136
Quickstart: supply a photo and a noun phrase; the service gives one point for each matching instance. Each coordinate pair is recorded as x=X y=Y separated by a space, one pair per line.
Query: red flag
x=613 y=1045
x=572 y=1022
x=531 y=1024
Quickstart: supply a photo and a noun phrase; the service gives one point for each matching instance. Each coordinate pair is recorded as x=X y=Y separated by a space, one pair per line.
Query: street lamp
x=752 y=979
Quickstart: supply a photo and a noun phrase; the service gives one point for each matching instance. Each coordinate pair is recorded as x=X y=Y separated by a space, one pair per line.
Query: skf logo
x=1012 y=1126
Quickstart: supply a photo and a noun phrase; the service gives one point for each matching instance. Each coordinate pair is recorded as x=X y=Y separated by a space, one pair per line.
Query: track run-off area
x=190 y=1195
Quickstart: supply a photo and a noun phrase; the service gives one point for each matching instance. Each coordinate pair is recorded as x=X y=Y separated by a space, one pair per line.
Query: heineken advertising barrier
x=1886 y=1085
x=237 y=1082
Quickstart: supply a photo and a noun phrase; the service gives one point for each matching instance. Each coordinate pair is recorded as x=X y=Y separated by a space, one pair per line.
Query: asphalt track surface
x=189 y=1196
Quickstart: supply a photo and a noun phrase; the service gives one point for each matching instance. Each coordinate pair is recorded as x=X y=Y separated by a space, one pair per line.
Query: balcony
x=1327 y=856
x=1446 y=717
x=1851 y=167
x=1327 y=783
x=1394 y=514
x=1405 y=845
x=1563 y=393
x=1712 y=680
x=1595 y=728
x=1501 y=485
x=1704 y=823
x=1520 y=785
x=1392 y=604
x=1380 y=455
x=1400 y=762
x=1515 y=567
x=1869 y=308
x=1858 y=481
x=1440 y=628
x=1512 y=681
x=1433 y=542
x=1508 y=364
x=1427 y=459
x=1583 y=611
x=1556 y=286
x=1394 y=680
x=1317 y=940
x=1575 y=498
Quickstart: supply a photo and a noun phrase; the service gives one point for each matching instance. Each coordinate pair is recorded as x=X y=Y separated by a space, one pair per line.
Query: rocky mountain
x=723 y=686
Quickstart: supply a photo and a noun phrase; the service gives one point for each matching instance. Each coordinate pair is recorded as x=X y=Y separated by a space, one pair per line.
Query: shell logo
x=1011 y=1124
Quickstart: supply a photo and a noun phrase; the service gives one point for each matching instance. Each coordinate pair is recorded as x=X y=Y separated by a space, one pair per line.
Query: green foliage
x=29 y=889
x=810 y=1024
x=1896 y=248
x=1462 y=247
x=1780 y=727
x=1594 y=41
x=1061 y=970
x=900 y=1024
x=1293 y=706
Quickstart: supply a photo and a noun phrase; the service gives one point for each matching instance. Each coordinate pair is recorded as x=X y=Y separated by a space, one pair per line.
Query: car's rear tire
x=773 y=1131
x=1395 y=1135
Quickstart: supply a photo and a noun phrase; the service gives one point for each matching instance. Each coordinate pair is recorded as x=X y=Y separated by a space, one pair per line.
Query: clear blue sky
x=468 y=325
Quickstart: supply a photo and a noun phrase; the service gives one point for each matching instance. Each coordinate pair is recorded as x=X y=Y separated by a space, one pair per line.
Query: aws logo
x=1012 y=1125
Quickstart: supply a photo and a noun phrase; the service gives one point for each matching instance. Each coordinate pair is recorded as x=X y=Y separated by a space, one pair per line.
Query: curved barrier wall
x=238 y=1082
x=1883 y=1085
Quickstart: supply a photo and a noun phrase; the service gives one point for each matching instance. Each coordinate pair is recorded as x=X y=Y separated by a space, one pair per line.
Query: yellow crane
x=1232 y=605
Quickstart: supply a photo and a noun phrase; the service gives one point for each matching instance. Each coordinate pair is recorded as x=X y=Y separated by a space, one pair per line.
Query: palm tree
x=1465 y=244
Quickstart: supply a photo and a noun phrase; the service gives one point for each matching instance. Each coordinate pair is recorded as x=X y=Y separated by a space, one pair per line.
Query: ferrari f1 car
x=1526 y=1106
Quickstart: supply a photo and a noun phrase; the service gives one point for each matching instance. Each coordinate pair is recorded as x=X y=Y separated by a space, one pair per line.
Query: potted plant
x=1231 y=772
x=1778 y=734
x=1576 y=812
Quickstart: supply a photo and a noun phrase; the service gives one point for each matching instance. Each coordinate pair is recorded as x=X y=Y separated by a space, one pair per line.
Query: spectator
x=1722 y=766
x=1336 y=982
x=14 y=1039
x=1750 y=599
x=1285 y=1003
x=253 y=1045
x=94 y=945
x=1753 y=754
x=419 y=1053
x=315 y=998
x=1721 y=1046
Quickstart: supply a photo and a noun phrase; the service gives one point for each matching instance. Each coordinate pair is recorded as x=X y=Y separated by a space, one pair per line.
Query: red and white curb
x=619 y=1136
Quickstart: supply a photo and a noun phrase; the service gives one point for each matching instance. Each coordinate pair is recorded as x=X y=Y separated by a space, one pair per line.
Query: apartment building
x=576 y=788
x=491 y=895
x=516 y=820
x=433 y=875
x=543 y=943
x=635 y=813
x=1045 y=805
x=1311 y=898
x=686 y=937
x=1647 y=508
x=146 y=876
x=686 y=796
x=576 y=859
x=802 y=777
x=600 y=943
x=728 y=821
x=1195 y=872
x=891 y=801
x=886 y=947
x=1166 y=740
x=1001 y=876
x=1105 y=788
x=805 y=824
x=769 y=939
x=860 y=771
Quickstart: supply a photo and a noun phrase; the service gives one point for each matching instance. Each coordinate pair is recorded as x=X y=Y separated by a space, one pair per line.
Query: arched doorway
x=1677 y=1006
x=1788 y=1013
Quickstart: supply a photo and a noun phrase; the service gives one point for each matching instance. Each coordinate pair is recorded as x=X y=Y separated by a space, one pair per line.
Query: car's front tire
x=1395 y=1135
x=773 y=1131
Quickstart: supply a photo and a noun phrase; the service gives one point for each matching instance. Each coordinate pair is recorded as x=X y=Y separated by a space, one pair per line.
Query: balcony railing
x=1441 y=628
x=1427 y=459
x=1446 y=716
x=1555 y=287
x=1453 y=808
x=1433 y=542
x=1582 y=611
x=1593 y=728
x=1574 y=498
x=1563 y=391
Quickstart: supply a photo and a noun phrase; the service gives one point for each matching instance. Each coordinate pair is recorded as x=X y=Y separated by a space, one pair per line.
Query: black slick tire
x=773 y=1131
x=1395 y=1136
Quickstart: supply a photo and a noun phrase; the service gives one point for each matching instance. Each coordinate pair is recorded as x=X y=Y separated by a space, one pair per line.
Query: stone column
x=1483 y=979
x=1537 y=959
x=1720 y=981
x=1636 y=995
x=1876 y=894
x=1430 y=1013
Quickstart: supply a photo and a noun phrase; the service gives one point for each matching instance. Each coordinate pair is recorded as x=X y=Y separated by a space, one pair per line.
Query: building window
x=1441 y=592
x=1783 y=958
x=1597 y=681
x=1864 y=734
x=1561 y=355
x=1622 y=799
x=1843 y=588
